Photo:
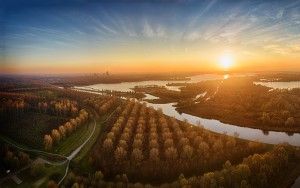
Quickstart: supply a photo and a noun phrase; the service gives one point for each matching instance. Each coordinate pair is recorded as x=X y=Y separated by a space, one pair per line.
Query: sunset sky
x=148 y=36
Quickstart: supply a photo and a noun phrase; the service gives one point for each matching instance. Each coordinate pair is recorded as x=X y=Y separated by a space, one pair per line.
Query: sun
x=226 y=61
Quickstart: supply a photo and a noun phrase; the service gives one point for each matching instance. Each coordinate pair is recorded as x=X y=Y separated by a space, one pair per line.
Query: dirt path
x=76 y=151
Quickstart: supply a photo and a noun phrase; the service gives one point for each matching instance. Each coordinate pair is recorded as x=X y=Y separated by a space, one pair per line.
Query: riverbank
x=234 y=119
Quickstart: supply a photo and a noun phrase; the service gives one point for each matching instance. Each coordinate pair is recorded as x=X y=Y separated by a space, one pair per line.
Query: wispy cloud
x=193 y=22
x=272 y=27
x=283 y=49
x=277 y=49
x=151 y=31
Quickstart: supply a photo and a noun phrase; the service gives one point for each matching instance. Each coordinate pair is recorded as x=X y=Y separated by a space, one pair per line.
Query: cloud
x=128 y=29
x=280 y=13
x=277 y=49
x=204 y=10
x=148 y=31
x=248 y=53
x=283 y=50
x=295 y=48
x=108 y=29
x=152 y=32
x=102 y=28
x=193 y=36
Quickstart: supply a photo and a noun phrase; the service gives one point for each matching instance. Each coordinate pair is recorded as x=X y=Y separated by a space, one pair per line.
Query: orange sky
x=154 y=37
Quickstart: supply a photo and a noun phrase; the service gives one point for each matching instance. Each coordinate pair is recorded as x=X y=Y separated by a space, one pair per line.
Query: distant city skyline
x=148 y=36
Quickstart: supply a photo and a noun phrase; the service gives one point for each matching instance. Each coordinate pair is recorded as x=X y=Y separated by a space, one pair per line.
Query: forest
x=67 y=138
x=239 y=101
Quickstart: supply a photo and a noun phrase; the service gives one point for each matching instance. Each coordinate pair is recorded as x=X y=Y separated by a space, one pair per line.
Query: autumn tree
x=48 y=142
x=55 y=135
x=120 y=154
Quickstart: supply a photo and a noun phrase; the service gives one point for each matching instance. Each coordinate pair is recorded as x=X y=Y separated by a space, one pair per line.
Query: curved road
x=67 y=159
x=33 y=150
x=75 y=152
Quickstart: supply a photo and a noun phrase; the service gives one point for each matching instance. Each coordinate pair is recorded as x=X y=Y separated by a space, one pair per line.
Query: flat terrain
x=236 y=101
x=122 y=142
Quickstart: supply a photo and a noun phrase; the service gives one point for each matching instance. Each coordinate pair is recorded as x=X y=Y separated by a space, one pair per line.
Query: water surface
x=127 y=86
x=280 y=85
x=271 y=137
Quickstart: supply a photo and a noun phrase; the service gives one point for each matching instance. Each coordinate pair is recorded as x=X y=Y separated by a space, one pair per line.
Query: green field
x=69 y=144
x=90 y=143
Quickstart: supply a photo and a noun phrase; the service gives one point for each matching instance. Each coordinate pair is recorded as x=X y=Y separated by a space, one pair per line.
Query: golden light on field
x=226 y=61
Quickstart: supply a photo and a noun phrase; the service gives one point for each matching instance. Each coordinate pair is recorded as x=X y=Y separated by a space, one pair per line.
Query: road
x=33 y=150
x=76 y=151
x=67 y=159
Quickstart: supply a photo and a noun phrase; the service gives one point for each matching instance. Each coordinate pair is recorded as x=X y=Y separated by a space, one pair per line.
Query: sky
x=88 y=36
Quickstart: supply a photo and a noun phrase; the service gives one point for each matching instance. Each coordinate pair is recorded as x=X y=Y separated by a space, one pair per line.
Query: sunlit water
x=127 y=86
x=271 y=137
x=150 y=97
x=280 y=85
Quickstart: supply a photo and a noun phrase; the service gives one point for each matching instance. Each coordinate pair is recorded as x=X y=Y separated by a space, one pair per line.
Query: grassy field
x=65 y=147
x=90 y=143
x=73 y=141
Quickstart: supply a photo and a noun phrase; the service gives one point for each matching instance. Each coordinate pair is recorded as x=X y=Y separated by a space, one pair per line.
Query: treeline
x=65 y=130
x=15 y=95
x=280 y=110
x=147 y=145
x=258 y=170
x=102 y=104
x=14 y=104
x=112 y=78
x=59 y=107
x=11 y=159
x=241 y=102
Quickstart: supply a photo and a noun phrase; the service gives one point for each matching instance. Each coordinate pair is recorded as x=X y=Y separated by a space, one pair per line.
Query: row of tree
x=102 y=104
x=258 y=170
x=144 y=143
x=12 y=105
x=65 y=130
x=278 y=119
x=59 y=107
x=12 y=159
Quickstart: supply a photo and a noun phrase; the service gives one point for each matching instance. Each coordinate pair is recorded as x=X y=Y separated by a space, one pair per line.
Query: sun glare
x=226 y=61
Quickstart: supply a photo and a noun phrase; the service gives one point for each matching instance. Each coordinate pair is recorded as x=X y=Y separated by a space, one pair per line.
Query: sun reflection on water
x=226 y=76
